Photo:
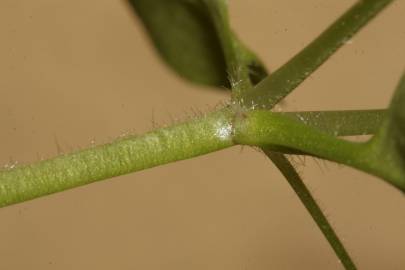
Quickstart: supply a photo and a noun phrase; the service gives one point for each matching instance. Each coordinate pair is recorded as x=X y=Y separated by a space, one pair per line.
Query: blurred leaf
x=185 y=36
x=393 y=132
x=194 y=38
x=397 y=121
x=389 y=143
x=342 y=123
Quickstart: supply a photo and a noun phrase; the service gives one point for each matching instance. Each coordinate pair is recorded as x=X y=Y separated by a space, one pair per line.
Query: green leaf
x=195 y=39
x=184 y=34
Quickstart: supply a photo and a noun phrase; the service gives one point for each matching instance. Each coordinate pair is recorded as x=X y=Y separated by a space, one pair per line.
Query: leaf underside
x=185 y=36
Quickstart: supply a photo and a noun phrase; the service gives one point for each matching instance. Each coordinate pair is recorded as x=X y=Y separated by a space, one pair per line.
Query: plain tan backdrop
x=75 y=73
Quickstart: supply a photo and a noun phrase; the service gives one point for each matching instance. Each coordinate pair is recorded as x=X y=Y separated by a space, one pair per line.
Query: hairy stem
x=336 y=123
x=267 y=129
x=234 y=52
x=197 y=137
x=310 y=204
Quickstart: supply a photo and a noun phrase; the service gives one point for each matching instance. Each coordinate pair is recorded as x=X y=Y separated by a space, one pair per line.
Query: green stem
x=337 y=123
x=267 y=129
x=285 y=79
x=342 y=123
x=199 y=136
x=234 y=52
x=194 y=138
x=310 y=204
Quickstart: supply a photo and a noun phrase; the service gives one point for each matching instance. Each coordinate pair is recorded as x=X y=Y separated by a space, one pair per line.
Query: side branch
x=268 y=129
x=284 y=80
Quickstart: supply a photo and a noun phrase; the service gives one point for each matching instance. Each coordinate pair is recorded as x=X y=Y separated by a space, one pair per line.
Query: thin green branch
x=342 y=123
x=197 y=137
x=336 y=123
x=267 y=129
x=310 y=204
x=285 y=79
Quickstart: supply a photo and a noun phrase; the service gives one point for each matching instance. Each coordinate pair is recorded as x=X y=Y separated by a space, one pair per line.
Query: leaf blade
x=185 y=37
x=195 y=39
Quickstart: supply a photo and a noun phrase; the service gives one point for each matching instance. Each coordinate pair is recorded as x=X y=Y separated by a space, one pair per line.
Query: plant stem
x=234 y=52
x=310 y=204
x=285 y=79
x=267 y=129
x=197 y=137
x=342 y=123
x=336 y=123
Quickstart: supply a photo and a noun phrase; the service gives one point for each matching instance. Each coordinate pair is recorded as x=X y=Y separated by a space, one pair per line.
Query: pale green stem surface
x=197 y=137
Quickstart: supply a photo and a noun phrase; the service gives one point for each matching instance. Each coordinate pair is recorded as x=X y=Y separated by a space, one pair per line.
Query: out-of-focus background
x=75 y=73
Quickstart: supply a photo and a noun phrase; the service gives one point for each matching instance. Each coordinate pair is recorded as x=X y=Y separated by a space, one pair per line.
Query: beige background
x=73 y=72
